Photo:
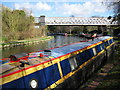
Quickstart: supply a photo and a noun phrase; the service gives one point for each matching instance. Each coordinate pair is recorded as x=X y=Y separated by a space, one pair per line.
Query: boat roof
x=61 y=50
x=57 y=52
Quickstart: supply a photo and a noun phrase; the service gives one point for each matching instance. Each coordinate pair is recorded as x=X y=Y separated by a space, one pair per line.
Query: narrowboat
x=61 y=67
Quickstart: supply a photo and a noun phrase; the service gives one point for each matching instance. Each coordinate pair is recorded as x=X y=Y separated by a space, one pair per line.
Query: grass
x=28 y=40
x=112 y=80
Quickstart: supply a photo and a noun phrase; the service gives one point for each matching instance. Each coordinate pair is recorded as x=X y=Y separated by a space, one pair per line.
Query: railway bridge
x=74 y=21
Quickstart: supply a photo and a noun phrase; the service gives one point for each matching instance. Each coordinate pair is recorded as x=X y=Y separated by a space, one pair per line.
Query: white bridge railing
x=74 y=21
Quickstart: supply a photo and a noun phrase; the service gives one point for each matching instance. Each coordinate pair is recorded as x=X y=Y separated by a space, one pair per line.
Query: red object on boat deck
x=41 y=55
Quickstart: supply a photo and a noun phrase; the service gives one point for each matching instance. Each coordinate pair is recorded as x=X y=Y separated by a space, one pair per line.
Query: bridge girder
x=75 y=21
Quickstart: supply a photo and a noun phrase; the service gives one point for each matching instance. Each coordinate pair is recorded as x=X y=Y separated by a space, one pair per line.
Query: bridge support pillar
x=70 y=28
x=42 y=20
x=110 y=30
x=102 y=28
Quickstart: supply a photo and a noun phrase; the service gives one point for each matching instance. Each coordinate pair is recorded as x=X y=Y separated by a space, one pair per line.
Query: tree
x=16 y=24
x=115 y=5
x=116 y=9
x=85 y=29
x=72 y=16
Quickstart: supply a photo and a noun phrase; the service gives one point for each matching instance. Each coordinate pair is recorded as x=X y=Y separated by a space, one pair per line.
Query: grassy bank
x=112 y=79
x=108 y=77
x=25 y=42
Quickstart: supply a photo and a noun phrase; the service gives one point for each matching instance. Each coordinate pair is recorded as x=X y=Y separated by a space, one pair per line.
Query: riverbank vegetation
x=112 y=79
x=71 y=29
x=26 y=41
x=19 y=25
x=108 y=77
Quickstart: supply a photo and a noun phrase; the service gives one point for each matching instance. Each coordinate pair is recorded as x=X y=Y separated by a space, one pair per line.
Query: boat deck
x=57 y=52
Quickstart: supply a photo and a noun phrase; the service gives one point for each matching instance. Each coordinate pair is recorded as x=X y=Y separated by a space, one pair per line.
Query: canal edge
x=25 y=42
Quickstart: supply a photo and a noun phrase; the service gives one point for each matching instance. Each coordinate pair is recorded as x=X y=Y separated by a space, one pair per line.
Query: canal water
x=57 y=41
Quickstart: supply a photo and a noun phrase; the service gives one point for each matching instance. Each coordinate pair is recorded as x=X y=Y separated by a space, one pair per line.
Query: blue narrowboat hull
x=65 y=67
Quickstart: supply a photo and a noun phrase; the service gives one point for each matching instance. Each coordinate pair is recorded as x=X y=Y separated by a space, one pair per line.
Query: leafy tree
x=116 y=9
x=72 y=16
x=52 y=29
x=18 y=25
x=115 y=5
x=85 y=29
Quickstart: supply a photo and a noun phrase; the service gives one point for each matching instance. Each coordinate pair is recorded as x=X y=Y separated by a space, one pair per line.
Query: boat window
x=94 y=51
x=110 y=41
x=98 y=48
x=107 y=43
x=87 y=54
x=80 y=59
x=91 y=53
x=73 y=63
x=101 y=47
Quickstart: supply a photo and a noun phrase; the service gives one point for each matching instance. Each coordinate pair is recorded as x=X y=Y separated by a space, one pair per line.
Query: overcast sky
x=61 y=8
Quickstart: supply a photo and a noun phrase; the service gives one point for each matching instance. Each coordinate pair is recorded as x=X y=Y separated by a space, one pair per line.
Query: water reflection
x=57 y=41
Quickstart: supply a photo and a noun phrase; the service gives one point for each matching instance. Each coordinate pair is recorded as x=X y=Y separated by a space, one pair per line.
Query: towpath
x=24 y=42
x=107 y=78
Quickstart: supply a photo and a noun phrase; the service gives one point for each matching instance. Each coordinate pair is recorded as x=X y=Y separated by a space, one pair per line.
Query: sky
x=60 y=8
